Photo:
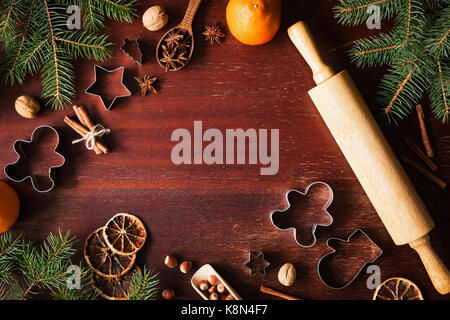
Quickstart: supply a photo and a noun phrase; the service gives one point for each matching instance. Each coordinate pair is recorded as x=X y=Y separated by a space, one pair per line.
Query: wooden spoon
x=185 y=28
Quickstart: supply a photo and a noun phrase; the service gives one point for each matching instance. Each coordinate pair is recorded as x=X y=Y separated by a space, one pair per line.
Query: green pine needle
x=416 y=52
x=35 y=39
x=144 y=285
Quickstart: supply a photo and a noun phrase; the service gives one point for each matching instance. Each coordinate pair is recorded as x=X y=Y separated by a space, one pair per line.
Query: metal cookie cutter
x=132 y=49
x=257 y=263
x=377 y=252
x=99 y=91
x=17 y=176
x=314 y=226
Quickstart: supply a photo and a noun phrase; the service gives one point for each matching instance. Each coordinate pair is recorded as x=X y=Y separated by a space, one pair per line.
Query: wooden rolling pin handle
x=438 y=272
x=302 y=38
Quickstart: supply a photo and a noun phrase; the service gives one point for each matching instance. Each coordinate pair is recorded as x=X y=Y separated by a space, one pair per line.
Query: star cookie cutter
x=375 y=250
x=18 y=176
x=132 y=49
x=314 y=225
x=257 y=263
x=91 y=89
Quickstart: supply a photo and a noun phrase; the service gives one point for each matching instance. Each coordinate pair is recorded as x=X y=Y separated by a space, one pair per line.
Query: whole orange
x=9 y=207
x=254 y=22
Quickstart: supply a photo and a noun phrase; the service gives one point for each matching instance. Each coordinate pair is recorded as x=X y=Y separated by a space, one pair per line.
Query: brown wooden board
x=217 y=214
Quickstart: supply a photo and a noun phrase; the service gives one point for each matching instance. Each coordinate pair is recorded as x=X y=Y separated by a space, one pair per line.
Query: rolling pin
x=373 y=161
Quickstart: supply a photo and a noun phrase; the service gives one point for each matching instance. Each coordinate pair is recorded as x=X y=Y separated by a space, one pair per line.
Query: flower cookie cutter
x=99 y=92
x=314 y=225
x=376 y=252
x=18 y=176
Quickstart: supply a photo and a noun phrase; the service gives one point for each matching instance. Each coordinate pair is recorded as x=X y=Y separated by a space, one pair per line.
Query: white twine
x=96 y=132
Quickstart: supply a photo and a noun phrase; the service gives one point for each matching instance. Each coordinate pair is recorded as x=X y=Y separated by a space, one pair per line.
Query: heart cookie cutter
x=315 y=225
x=378 y=252
x=17 y=177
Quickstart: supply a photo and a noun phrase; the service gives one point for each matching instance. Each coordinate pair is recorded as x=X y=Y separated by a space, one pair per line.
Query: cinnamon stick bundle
x=84 y=127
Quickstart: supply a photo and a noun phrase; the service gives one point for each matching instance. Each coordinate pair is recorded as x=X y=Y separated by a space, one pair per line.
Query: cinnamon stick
x=424 y=132
x=85 y=123
x=427 y=174
x=277 y=293
x=417 y=150
x=82 y=131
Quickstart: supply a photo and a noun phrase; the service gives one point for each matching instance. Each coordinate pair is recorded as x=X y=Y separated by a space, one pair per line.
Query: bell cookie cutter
x=132 y=49
x=378 y=252
x=92 y=90
x=14 y=176
x=257 y=263
x=314 y=226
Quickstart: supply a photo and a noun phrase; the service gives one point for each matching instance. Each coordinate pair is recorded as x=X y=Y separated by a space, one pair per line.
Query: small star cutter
x=90 y=91
x=314 y=226
x=261 y=265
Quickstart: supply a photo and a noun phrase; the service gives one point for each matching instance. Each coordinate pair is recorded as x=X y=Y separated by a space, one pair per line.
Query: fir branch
x=144 y=285
x=84 y=44
x=9 y=248
x=85 y=292
x=354 y=12
x=122 y=10
x=440 y=92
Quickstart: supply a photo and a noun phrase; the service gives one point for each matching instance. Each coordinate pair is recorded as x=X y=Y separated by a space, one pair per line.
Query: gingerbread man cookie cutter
x=20 y=176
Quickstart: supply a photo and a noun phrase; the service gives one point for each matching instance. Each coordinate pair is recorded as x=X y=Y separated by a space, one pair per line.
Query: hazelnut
x=185 y=266
x=212 y=289
x=220 y=288
x=213 y=280
x=171 y=261
x=155 y=18
x=203 y=285
x=168 y=294
x=27 y=107
x=229 y=297
x=214 y=296
x=287 y=274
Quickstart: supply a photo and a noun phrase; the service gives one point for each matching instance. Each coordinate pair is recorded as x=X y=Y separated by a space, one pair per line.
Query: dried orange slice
x=102 y=259
x=397 y=289
x=112 y=288
x=124 y=234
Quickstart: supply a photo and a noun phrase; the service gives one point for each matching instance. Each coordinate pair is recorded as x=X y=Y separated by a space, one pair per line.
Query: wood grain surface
x=217 y=214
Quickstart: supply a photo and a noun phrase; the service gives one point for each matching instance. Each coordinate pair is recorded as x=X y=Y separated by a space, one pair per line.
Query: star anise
x=169 y=58
x=213 y=33
x=146 y=84
x=173 y=38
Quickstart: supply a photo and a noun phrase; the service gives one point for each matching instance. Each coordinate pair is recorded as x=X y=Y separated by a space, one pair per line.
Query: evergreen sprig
x=416 y=52
x=144 y=285
x=36 y=38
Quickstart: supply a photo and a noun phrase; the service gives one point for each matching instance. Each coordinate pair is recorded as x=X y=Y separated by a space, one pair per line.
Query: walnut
x=287 y=275
x=155 y=18
x=27 y=107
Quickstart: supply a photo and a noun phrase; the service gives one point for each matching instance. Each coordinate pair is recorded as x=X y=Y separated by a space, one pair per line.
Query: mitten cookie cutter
x=91 y=91
x=18 y=177
x=378 y=250
x=315 y=225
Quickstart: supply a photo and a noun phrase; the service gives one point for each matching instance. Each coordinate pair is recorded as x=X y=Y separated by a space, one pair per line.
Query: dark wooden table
x=216 y=214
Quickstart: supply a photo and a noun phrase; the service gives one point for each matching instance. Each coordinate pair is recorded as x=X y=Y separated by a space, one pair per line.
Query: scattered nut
x=220 y=288
x=287 y=274
x=155 y=18
x=168 y=294
x=229 y=297
x=214 y=296
x=27 y=106
x=185 y=266
x=171 y=261
x=213 y=280
x=212 y=289
x=203 y=285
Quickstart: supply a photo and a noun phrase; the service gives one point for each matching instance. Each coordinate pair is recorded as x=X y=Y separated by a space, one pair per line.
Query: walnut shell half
x=27 y=106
